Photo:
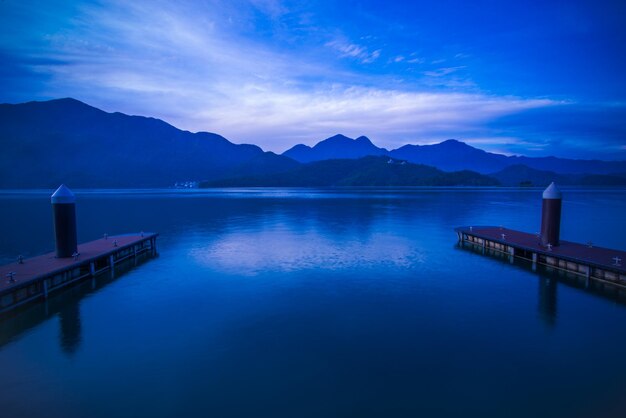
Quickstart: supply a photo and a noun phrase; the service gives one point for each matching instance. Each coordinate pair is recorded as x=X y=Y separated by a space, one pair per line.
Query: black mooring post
x=64 y=213
x=551 y=216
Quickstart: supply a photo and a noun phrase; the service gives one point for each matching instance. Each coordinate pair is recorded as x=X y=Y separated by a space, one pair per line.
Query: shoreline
x=34 y=191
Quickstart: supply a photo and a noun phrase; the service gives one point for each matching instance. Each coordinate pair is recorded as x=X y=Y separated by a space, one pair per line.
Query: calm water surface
x=315 y=303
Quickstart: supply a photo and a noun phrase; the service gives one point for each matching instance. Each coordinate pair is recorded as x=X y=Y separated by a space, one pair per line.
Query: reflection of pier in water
x=549 y=276
x=65 y=304
x=69 y=327
x=546 y=302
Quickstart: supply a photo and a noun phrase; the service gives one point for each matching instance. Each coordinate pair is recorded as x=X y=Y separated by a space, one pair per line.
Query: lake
x=315 y=303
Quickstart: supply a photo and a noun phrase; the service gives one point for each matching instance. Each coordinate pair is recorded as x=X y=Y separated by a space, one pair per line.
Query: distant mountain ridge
x=47 y=143
x=338 y=146
x=453 y=155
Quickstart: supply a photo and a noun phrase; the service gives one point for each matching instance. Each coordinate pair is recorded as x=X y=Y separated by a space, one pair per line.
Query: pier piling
x=551 y=216
x=64 y=213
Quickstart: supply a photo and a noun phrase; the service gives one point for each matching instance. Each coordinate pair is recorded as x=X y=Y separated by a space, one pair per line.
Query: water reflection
x=547 y=300
x=70 y=327
x=274 y=249
x=548 y=280
x=359 y=305
x=65 y=305
x=333 y=213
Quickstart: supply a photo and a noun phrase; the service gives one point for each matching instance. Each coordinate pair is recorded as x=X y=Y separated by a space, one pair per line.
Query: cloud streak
x=442 y=72
x=351 y=50
x=390 y=117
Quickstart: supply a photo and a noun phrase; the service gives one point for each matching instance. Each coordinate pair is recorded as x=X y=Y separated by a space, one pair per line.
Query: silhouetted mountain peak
x=454 y=143
x=337 y=146
x=65 y=104
x=55 y=102
x=454 y=146
x=69 y=100
x=300 y=147
x=334 y=140
x=299 y=153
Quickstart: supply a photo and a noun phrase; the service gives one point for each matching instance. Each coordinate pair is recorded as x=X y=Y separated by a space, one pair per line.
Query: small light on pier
x=549 y=247
x=617 y=260
x=115 y=243
x=471 y=228
x=11 y=276
x=20 y=259
x=503 y=236
x=75 y=255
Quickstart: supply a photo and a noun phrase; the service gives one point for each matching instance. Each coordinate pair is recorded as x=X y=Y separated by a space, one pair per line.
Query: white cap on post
x=552 y=192
x=63 y=195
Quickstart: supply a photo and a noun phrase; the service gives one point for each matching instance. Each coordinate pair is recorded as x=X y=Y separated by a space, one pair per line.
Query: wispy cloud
x=352 y=50
x=441 y=72
x=197 y=70
x=391 y=117
x=208 y=79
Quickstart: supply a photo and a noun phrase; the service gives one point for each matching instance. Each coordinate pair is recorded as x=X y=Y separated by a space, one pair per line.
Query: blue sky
x=534 y=78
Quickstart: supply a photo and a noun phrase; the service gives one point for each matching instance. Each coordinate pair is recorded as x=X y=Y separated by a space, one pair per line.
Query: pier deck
x=584 y=259
x=37 y=276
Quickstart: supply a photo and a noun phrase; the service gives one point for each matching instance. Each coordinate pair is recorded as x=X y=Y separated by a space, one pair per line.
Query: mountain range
x=67 y=141
x=47 y=143
x=450 y=155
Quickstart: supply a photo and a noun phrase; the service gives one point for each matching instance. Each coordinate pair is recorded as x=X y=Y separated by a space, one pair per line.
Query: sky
x=535 y=78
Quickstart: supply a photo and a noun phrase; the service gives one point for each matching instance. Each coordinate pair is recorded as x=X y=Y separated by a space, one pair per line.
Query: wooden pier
x=593 y=263
x=37 y=277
